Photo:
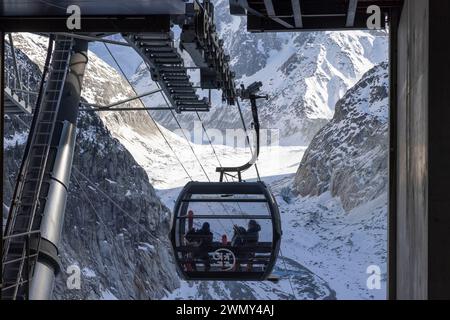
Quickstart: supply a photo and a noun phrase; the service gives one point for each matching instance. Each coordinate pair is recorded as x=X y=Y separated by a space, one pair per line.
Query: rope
x=195 y=155
x=220 y=164
x=168 y=144
x=153 y=120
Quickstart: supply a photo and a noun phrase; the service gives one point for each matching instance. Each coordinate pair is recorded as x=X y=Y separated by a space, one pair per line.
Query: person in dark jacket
x=201 y=238
x=252 y=233
x=252 y=237
x=243 y=237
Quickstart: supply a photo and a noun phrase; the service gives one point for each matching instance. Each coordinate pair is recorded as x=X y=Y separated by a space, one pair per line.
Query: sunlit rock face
x=349 y=156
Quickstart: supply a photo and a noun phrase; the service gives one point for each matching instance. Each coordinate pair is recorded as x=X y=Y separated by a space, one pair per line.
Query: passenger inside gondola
x=243 y=237
x=201 y=239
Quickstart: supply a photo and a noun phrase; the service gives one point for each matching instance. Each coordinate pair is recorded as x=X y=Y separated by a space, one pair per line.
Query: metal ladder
x=167 y=68
x=22 y=234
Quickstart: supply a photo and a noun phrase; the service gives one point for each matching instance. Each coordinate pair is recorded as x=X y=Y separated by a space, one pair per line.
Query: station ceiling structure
x=154 y=15
x=298 y=15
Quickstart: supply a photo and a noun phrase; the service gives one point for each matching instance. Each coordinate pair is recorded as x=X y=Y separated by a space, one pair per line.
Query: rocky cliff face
x=115 y=226
x=349 y=156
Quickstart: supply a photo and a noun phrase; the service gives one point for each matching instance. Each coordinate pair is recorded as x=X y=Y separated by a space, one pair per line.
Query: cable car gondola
x=230 y=209
x=227 y=230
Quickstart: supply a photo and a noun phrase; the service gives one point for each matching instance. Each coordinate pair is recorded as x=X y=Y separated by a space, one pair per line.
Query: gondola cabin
x=226 y=231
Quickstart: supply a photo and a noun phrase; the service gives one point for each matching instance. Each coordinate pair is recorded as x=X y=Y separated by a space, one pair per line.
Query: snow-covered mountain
x=304 y=74
x=348 y=157
x=338 y=215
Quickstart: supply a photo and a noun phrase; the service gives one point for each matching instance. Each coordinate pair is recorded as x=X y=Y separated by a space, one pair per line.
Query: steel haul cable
x=184 y=134
x=143 y=104
x=116 y=204
x=153 y=120
x=179 y=125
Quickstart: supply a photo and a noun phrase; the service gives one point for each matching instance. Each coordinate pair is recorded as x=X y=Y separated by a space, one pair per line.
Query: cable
x=153 y=120
x=179 y=125
x=140 y=100
x=195 y=155
x=209 y=140
x=214 y=151
x=115 y=204
x=220 y=164
x=111 y=200
x=184 y=134
x=91 y=204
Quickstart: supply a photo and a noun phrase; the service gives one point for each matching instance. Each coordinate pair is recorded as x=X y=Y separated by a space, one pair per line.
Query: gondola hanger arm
x=248 y=93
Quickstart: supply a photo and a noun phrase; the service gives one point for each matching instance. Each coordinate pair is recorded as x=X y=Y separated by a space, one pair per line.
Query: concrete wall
x=412 y=157
x=423 y=153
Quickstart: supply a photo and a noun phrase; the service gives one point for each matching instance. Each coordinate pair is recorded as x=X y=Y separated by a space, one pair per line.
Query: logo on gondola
x=223 y=258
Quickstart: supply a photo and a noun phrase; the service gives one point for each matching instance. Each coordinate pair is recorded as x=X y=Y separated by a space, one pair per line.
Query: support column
x=412 y=142
x=423 y=177
x=60 y=158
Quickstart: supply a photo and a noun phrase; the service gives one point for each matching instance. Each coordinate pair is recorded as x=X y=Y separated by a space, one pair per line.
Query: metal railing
x=19 y=87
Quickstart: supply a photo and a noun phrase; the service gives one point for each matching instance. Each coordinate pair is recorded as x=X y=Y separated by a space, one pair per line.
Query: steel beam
x=351 y=13
x=109 y=106
x=297 y=10
x=94 y=25
x=272 y=15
